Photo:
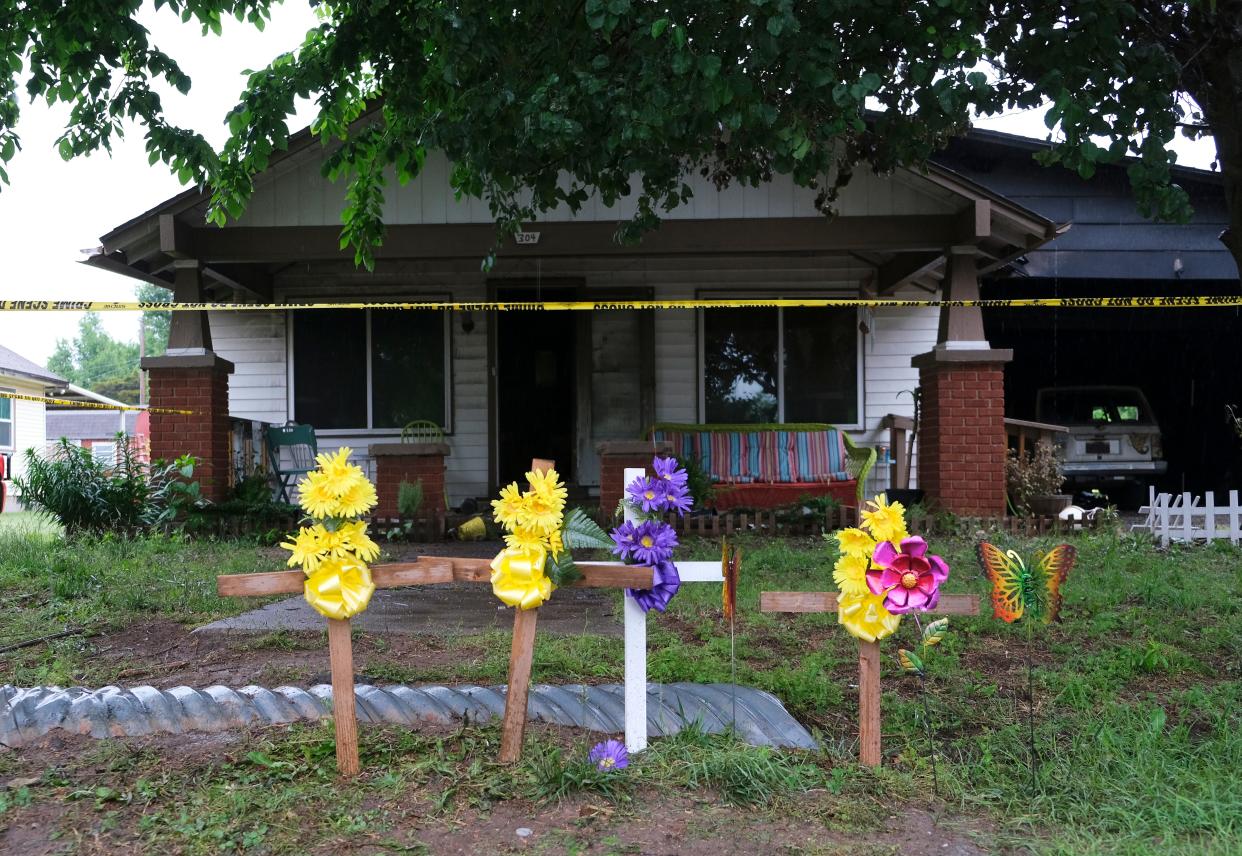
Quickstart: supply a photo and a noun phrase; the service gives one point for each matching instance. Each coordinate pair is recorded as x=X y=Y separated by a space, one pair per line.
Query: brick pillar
x=197 y=382
x=410 y=462
x=961 y=439
x=614 y=457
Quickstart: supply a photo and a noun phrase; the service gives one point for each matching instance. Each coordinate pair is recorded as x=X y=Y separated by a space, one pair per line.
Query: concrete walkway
x=440 y=610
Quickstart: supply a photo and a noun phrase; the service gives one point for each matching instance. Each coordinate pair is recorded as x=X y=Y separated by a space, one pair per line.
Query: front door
x=536 y=383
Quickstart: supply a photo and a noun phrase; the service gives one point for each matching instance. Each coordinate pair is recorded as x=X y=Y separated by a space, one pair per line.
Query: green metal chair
x=858 y=463
x=300 y=441
x=422 y=431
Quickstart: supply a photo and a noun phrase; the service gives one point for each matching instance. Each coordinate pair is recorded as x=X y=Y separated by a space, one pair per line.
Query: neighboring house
x=1185 y=361
x=508 y=386
x=97 y=430
x=22 y=423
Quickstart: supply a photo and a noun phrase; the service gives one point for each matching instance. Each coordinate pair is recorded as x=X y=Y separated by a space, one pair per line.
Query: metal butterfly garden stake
x=1028 y=594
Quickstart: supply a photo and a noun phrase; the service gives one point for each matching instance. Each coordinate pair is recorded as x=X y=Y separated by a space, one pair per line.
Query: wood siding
x=255 y=342
x=29 y=423
x=294 y=193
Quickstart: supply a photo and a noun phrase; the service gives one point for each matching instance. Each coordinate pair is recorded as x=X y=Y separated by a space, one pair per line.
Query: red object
x=729 y=496
x=962 y=443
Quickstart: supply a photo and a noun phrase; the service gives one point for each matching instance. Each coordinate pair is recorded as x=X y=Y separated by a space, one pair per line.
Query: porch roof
x=900 y=227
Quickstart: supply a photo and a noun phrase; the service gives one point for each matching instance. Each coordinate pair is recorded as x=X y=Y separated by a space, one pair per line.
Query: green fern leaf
x=581 y=532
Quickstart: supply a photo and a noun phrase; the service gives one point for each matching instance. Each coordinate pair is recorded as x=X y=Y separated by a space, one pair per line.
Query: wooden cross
x=429 y=570
x=868 y=655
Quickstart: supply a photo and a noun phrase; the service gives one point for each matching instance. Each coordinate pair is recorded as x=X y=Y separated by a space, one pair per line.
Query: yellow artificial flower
x=508 y=510
x=340 y=588
x=339 y=474
x=306 y=548
x=542 y=513
x=357 y=540
x=548 y=486
x=358 y=499
x=887 y=522
x=850 y=574
x=315 y=496
x=865 y=617
x=555 y=545
x=518 y=578
x=525 y=539
x=856 y=542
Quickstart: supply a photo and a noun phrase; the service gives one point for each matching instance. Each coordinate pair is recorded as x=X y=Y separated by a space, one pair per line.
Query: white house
x=22 y=423
x=507 y=386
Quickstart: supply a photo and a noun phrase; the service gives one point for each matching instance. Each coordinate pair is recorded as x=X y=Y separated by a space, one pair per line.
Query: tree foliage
x=98 y=362
x=541 y=104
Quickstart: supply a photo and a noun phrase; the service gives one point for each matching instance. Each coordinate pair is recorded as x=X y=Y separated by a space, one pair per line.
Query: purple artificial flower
x=677 y=498
x=647 y=493
x=626 y=537
x=666 y=583
x=667 y=470
x=609 y=755
x=654 y=542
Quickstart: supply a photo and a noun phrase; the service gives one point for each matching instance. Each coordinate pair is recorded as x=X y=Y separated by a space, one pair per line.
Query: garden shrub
x=88 y=496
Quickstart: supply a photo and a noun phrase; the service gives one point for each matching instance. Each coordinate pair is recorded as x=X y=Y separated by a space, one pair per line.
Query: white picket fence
x=1186 y=518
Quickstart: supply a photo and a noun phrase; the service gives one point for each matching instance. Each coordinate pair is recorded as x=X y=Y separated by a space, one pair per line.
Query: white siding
x=295 y=194
x=676 y=361
x=29 y=424
x=254 y=342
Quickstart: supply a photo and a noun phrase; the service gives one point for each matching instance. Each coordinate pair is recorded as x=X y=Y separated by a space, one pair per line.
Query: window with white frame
x=781 y=365
x=6 y=421
x=370 y=369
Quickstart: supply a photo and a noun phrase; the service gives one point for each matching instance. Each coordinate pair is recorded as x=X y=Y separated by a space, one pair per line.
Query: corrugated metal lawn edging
x=28 y=714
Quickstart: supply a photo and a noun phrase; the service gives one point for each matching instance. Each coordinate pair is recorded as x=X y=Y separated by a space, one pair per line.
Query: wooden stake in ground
x=429 y=570
x=344 y=708
x=869 y=720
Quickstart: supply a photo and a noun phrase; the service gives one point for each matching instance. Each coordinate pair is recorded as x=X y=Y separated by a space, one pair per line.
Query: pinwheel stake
x=869 y=728
x=430 y=570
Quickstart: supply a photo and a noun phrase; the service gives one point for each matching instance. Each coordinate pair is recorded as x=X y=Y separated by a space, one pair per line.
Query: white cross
x=636 y=637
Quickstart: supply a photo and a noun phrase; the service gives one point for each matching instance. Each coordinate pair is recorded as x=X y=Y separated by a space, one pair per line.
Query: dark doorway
x=536 y=384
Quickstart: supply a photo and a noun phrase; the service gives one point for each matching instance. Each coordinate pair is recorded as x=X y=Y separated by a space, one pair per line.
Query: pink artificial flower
x=909 y=579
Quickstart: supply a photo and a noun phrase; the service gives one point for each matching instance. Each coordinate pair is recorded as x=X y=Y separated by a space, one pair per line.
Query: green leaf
x=934 y=633
x=910 y=662
x=561 y=570
x=659 y=27
x=709 y=65
x=776 y=24
x=580 y=532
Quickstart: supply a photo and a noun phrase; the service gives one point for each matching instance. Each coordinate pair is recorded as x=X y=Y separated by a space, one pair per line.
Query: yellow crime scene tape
x=1172 y=302
x=93 y=405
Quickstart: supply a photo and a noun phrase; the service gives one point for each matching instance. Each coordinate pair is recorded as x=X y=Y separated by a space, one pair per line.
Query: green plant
x=701 y=486
x=409 y=498
x=1035 y=474
x=87 y=496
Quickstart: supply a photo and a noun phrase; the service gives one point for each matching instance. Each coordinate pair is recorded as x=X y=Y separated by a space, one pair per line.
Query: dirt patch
x=657 y=825
x=89 y=797
x=165 y=654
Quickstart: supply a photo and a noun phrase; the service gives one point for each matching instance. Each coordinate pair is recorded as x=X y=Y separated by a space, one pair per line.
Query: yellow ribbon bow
x=865 y=617
x=518 y=578
x=340 y=588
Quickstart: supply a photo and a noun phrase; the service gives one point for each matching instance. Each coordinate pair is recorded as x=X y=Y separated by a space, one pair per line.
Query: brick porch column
x=197 y=382
x=614 y=457
x=409 y=462
x=961 y=431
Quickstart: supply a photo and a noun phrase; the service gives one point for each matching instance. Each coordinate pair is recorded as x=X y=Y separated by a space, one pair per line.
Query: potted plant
x=1034 y=482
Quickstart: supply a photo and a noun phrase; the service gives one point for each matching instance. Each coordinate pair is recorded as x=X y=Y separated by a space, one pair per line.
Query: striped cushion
x=764 y=456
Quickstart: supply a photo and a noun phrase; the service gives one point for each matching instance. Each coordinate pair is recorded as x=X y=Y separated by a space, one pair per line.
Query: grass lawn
x=1138 y=701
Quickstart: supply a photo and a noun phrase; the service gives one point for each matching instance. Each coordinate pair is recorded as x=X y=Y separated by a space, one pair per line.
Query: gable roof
x=15 y=365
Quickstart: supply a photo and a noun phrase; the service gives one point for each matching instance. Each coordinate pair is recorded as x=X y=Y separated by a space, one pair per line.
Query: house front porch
x=507 y=386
